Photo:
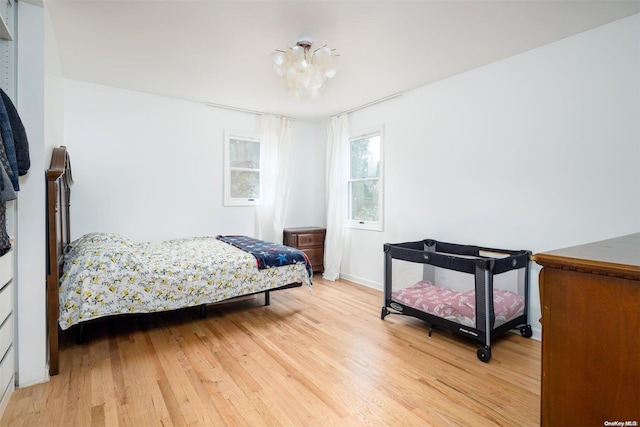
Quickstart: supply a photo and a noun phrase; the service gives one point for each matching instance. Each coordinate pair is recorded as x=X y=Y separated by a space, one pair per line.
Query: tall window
x=242 y=170
x=365 y=181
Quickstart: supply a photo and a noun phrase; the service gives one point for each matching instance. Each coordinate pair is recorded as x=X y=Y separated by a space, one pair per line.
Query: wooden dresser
x=310 y=240
x=590 y=297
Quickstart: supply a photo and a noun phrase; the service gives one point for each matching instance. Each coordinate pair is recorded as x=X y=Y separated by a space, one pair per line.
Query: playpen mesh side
x=450 y=293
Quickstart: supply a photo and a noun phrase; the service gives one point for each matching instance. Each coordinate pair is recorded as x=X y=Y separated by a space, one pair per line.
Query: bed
x=474 y=291
x=100 y=275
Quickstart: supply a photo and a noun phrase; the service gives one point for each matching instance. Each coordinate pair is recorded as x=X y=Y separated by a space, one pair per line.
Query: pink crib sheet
x=448 y=303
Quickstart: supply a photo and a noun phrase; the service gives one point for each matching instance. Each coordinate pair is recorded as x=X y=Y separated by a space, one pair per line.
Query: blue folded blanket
x=268 y=254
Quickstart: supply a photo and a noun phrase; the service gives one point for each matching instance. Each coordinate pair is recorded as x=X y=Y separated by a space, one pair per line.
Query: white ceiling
x=220 y=51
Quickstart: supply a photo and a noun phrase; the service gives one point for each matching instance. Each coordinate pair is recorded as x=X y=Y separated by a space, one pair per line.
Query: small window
x=365 y=181
x=242 y=170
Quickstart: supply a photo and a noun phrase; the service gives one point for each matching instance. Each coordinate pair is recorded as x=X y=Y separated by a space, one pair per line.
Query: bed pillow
x=91 y=245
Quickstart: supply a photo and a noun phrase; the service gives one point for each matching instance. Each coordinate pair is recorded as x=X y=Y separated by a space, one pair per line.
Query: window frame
x=241 y=136
x=360 y=224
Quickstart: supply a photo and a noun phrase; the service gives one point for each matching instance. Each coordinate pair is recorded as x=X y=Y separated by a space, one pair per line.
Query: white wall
x=538 y=151
x=306 y=202
x=31 y=311
x=151 y=167
x=54 y=92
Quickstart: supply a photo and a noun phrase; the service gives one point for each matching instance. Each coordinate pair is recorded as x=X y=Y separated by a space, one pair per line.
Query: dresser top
x=617 y=256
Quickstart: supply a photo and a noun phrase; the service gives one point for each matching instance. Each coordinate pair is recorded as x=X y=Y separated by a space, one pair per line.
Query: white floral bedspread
x=106 y=274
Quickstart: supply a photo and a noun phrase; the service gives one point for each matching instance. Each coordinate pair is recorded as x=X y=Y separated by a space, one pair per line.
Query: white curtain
x=275 y=168
x=337 y=163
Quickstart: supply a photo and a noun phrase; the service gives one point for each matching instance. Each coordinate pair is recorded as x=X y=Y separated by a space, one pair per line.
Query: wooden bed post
x=58 y=236
x=52 y=274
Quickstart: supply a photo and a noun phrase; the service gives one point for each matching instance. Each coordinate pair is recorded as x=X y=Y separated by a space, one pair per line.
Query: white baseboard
x=362 y=281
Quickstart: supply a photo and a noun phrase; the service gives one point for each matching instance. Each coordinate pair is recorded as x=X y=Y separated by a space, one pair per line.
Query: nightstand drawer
x=315 y=257
x=311 y=239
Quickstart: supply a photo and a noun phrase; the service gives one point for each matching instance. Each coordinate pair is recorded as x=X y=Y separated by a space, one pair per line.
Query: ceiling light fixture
x=304 y=69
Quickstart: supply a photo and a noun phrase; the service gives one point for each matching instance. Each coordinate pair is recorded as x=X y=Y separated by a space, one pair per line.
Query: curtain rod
x=368 y=104
x=244 y=110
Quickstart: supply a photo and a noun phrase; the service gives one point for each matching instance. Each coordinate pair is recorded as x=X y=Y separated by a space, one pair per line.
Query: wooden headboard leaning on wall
x=59 y=180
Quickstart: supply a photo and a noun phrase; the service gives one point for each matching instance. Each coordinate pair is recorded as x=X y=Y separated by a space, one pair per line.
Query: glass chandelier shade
x=304 y=69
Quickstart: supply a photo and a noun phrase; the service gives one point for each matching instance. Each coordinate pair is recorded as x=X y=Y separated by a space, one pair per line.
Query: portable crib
x=476 y=292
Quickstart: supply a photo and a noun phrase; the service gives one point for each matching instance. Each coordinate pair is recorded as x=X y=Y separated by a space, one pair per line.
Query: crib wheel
x=484 y=354
x=526 y=331
x=384 y=313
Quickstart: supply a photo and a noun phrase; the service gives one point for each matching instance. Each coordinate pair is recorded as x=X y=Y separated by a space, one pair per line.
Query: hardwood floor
x=312 y=358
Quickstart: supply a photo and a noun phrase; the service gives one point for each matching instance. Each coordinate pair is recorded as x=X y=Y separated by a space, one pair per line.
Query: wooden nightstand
x=309 y=240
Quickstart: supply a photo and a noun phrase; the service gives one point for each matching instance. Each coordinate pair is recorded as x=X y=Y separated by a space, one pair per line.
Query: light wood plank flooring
x=312 y=358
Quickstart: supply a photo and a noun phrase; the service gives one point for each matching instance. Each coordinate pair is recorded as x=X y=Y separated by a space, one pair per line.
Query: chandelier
x=304 y=69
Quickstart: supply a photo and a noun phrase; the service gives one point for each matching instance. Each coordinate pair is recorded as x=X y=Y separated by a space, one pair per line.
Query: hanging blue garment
x=20 y=141
x=7 y=139
x=4 y=162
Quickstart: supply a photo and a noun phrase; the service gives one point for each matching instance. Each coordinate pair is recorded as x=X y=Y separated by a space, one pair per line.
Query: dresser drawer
x=6 y=268
x=7 y=369
x=310 y=240
x=6 y=335
x=6 y=301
